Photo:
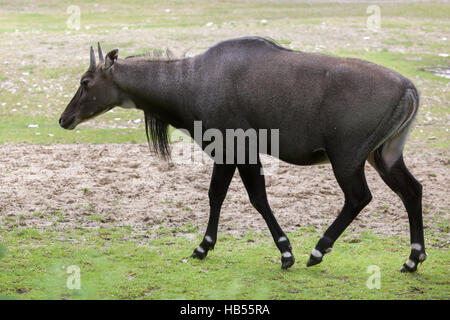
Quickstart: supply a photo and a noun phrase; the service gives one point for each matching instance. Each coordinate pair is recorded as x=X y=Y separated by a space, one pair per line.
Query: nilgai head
x=97 y=92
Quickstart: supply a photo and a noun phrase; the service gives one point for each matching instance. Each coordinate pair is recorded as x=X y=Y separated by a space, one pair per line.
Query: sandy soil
x=62 y=187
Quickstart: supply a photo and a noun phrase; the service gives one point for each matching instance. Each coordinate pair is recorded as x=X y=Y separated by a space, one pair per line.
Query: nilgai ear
x=110 y=58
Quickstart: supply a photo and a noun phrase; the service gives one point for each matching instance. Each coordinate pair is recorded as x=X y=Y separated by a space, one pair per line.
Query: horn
x=100 y=53
x=92 y=65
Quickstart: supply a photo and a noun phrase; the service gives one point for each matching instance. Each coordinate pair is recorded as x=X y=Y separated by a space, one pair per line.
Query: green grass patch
x=16 y=130
x=405 y=64
x=36 y=266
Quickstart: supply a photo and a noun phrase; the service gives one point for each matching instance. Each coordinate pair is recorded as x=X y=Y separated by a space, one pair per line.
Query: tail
x=391 y=148
x=411 y=98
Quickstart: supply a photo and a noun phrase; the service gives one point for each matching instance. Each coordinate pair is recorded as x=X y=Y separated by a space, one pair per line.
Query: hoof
x=409 y=266
x=313 y=261
x=199 y=253
x=324 y=246
x=316 y=257
x=287 y=260
x=415 y=259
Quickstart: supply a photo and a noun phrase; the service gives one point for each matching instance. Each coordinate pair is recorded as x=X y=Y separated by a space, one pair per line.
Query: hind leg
x=357 y=196
x=401 y=181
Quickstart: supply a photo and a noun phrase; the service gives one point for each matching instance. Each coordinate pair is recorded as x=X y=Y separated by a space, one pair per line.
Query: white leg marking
x=200 y=249
x=416 y=246
x=282 y=239
x=316 y=253
x=329 y=249
x=286 y=254
x=208 y=238
x=410 y=263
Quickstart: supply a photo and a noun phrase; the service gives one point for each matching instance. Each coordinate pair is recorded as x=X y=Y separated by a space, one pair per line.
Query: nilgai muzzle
x=327 y=109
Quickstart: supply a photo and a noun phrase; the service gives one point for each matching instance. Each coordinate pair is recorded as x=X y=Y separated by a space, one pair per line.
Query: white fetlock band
x=281 y=239
x=200 y=249
x=410 y=263
x=316 y=253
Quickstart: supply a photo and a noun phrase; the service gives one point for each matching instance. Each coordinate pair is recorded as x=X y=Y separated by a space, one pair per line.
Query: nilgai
x=325 y=108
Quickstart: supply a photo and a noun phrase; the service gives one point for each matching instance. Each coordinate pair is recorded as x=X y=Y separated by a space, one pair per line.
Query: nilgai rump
x=327 y=109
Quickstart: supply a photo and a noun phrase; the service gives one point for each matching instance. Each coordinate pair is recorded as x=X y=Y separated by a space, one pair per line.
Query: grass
x=16 y=130
x=112 y=266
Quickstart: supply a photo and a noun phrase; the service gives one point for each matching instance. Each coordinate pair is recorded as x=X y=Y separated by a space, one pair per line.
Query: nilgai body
x=325 y=108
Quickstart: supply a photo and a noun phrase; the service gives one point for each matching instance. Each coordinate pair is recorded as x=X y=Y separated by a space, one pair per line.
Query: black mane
x=157 y=130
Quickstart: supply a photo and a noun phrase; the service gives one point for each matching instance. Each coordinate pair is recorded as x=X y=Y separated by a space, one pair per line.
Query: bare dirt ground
x=92 y=186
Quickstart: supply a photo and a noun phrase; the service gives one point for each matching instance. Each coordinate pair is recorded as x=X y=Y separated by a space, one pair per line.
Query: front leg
x=254 y=183
x=220 y=181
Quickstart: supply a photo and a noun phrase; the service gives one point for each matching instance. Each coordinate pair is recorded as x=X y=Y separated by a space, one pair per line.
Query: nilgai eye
x=84 y=82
